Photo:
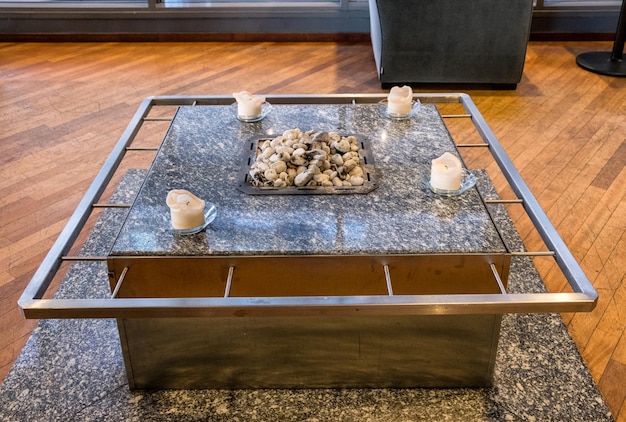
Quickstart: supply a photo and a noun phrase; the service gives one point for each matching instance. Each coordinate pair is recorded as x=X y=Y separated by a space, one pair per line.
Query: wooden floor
x=63 y=106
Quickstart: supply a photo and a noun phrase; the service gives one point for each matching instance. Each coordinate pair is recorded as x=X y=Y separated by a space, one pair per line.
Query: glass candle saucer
x=415 y=108
x=468 y=181
x=209 y=216
x=266 y=108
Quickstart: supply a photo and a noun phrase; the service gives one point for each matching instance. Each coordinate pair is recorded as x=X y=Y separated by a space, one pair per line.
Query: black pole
x=605 y=63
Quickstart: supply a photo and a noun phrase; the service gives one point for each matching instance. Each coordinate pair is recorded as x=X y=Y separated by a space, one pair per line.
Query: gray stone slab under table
x=74 y=370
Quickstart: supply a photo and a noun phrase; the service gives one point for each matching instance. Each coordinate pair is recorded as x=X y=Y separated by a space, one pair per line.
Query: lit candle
x=400 y=100
x=446 y=172
x=186 y=209
x=248 y=105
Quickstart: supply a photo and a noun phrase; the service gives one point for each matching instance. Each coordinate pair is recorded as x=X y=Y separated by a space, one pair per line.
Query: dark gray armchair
x=452 y=42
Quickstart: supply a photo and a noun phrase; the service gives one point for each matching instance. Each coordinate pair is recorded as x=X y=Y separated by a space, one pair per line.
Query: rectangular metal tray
x=251 y=150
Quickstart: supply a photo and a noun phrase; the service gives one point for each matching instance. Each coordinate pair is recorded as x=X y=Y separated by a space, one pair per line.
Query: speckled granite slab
x=72 y=370
x=203 y=153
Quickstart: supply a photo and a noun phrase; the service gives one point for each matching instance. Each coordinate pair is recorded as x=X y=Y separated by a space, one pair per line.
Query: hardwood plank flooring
x=65 y=104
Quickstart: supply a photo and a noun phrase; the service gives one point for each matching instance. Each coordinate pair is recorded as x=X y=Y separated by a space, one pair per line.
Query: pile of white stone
x=312 y=159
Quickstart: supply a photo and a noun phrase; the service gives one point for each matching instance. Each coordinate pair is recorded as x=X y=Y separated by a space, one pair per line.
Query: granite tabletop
x=203 y=152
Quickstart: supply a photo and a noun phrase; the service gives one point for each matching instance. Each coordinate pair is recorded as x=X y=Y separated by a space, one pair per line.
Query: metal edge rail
x=286 y=99
x=42 y=278
x=462 y=304
x=584 y=297
x=564 y=258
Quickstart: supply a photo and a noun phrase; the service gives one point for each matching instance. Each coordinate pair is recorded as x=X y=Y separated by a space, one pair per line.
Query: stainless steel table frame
x=279 y=336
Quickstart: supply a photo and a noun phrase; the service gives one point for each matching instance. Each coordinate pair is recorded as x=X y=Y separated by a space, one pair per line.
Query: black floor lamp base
x=600 y=62
x=610 y=64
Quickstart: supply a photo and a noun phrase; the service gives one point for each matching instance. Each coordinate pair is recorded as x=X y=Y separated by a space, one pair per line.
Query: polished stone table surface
x=203 y=152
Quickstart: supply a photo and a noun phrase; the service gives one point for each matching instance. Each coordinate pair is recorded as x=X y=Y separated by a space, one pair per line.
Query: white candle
x=446 y=172
x=186 y=209
x=400 y=100
x=248 y=105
